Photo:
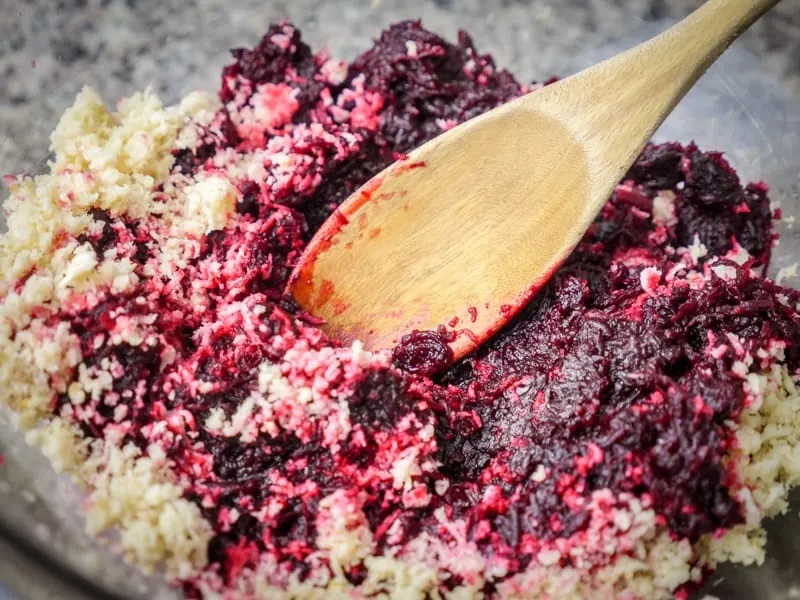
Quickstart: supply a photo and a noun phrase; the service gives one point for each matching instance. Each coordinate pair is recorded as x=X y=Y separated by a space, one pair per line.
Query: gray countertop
x=49 y=49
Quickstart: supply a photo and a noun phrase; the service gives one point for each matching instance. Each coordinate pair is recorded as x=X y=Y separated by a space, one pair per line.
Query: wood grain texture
x=465 y=230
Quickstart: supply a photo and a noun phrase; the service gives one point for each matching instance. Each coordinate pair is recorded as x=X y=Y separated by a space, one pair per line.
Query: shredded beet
x=423 y=352
x=620 y=375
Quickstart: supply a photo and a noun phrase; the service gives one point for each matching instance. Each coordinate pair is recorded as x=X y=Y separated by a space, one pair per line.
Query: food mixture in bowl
x=622 y=436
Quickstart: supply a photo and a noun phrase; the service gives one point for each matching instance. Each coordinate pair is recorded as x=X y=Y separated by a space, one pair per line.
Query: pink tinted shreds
x=649 y=278
x=362 y=106
x=269 y=108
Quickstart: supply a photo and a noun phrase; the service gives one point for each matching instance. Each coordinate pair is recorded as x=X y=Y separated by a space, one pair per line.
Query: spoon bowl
x=458 y=236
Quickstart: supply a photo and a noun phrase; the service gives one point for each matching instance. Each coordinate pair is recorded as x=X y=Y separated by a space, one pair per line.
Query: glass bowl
x=737 y=107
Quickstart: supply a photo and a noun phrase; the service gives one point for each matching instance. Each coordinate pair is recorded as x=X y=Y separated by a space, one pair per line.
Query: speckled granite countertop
x=49 y=49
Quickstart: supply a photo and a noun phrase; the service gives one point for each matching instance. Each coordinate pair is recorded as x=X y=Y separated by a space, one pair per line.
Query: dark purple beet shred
x=423 y=352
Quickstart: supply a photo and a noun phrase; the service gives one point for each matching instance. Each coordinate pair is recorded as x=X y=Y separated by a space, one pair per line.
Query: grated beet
x=619 y=375
x=423 y=352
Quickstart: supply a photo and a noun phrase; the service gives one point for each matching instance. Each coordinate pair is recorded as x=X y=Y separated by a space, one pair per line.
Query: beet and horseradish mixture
x=625 y=434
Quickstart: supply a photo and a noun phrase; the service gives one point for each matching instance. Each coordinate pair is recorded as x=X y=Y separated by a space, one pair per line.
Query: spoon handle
x=636 y=90
x=688 y=48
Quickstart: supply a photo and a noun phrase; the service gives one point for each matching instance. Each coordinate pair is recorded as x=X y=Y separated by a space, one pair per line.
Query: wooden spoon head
x=465 y=231
x=461 y=234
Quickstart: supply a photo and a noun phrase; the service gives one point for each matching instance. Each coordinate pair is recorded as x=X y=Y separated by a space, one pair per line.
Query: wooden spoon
x=465 y=230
